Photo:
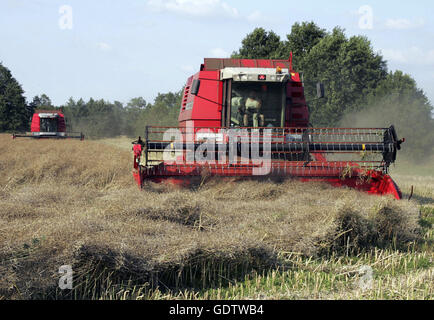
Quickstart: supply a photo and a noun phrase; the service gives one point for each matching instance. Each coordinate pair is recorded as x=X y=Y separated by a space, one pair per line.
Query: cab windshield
x=257 y=104
x=48 y=124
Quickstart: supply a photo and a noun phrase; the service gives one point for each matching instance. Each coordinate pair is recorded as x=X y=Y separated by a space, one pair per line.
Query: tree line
x=360 y=91
x=100 y=118
x=95 y=118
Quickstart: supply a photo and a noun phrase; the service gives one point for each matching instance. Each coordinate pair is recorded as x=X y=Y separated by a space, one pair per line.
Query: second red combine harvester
x=249 y=117
x=49 y=124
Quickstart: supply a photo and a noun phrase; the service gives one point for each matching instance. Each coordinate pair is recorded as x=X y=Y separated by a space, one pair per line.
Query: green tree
x=163 y=112
x=42 y=102
x=13 y=109
x=300 y=41
x=138 y=102
x=349 y=68
x=132 y=112
x=259 y=44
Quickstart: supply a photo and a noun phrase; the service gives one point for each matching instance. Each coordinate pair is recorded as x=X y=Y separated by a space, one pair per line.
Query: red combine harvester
x=49 y=124
x=249 y=117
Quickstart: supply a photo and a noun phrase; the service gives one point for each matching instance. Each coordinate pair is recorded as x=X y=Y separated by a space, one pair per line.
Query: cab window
x=256 y=104
x=48 y=125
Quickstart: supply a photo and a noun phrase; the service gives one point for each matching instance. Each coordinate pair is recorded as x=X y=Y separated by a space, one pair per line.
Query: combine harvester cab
x=247 y=118
x=49 y=124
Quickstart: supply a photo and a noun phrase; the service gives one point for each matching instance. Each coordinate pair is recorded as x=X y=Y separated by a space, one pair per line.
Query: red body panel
x=36 y=123
x=204 y=109
x=297 y=114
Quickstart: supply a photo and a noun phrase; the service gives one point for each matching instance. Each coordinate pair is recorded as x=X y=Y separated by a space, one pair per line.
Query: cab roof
x=212 y=64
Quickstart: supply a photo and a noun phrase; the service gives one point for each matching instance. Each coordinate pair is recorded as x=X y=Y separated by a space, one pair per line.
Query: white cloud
x=197 y=8
x=413 y=56
x=103 y=46
x=219 y=53
x=404 y=24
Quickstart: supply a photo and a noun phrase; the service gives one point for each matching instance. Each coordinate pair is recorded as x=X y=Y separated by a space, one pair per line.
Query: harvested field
x=75 y=203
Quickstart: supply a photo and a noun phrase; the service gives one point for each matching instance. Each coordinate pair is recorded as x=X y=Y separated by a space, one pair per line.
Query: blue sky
x=118 y=50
